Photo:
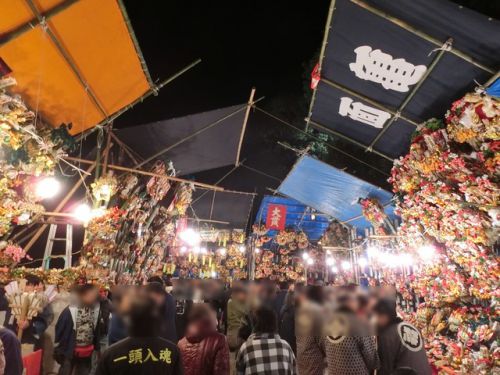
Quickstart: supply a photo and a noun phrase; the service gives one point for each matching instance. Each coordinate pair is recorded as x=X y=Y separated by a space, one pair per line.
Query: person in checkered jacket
x=265 y=352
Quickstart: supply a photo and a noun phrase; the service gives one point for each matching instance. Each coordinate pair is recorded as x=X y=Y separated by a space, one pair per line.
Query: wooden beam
x=245 y=120
x=60 y=206
x=145 y=173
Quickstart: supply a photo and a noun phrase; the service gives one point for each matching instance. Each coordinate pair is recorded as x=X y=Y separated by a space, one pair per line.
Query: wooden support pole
x=205 y=128
x=34 y=22
x=421 y=34
x=245 y=120
x=146 y=173
x=60 y=206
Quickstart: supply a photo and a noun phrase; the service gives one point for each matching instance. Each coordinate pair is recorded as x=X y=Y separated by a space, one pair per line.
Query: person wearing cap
x=400 y=344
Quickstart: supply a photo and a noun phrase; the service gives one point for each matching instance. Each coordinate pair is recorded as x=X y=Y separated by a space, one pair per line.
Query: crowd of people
x=204 y=327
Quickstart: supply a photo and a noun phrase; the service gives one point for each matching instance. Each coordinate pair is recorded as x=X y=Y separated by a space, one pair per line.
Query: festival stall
x=285 y=237
x=388 y=83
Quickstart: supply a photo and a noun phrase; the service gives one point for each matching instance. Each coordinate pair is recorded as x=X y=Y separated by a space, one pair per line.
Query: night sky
x=242 y=44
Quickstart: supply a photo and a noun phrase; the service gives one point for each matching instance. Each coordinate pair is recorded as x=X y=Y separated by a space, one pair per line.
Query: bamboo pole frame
x=205 y=128
x=245 y=120
x=367 y=99
x=328 y=25
x=67 y=57
x=60 y=206
x=447 y=45
x=25 y=27
x=346 y=138
x=152 y=91
x=421 y=34
x=216 y=184
x=492 y=79
x=124 y=147
x=209 y=221
x=146 y=173
x=137 y=47
x=312 y=136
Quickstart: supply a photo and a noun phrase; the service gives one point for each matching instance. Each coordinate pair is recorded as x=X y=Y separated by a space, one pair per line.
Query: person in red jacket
x=204 y=351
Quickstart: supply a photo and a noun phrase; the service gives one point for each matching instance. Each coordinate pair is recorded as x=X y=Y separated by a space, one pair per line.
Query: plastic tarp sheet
x=382 y=61
x=332 y=191
x=95 y=35
x=494 y=89
x=298 y=217
x=213 y=148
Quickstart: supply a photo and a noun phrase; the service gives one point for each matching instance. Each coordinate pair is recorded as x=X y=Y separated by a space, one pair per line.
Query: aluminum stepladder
x=47 y=256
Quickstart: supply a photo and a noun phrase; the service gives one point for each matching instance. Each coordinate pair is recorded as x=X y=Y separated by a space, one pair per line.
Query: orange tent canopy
x=95 y=36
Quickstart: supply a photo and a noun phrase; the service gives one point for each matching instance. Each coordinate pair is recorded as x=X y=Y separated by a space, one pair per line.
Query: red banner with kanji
x=276 y=216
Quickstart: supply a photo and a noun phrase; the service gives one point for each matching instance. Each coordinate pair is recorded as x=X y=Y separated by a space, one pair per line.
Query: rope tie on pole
x=447 y=47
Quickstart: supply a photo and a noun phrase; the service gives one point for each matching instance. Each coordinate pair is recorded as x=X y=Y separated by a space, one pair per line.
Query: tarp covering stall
x=378 y=80
x=298 y=217
x=221 y=207
x=212 y=148
x=95 y=36
x=333 y=192
x=494 y=89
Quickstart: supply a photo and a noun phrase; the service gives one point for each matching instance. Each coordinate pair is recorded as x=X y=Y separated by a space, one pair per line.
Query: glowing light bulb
x=330 y=261
x=257 y=250
x=47 y=188
x=310 y=261
x=373 y=252
x=183 y=249
x=242 y=249
x=334 y=269
x=345 y=265
x=426 y=252
x=222 y=251
x=83 y=213
x=190 y=237
x=305 y=256
x=313 y=217
x=363 y=262
x=214 y=274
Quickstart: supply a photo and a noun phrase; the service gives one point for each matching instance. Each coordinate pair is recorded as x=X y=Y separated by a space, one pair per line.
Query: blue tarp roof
x=332 y=191
x=298 y=216
x=494 y=89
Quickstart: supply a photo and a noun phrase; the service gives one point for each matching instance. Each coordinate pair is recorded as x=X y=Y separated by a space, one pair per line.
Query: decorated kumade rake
x=27 y=305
